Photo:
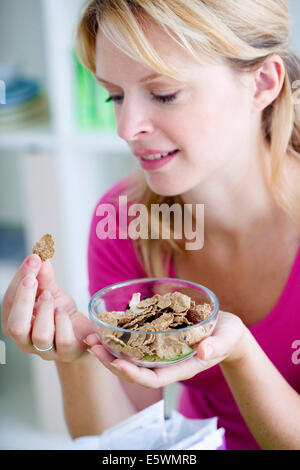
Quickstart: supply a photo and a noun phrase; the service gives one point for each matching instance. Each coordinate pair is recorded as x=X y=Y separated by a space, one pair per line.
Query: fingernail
x=33 y=261
x=46 y=295
x=59 y=310
x=29 y=280
x=208 y=352
x=91 y=339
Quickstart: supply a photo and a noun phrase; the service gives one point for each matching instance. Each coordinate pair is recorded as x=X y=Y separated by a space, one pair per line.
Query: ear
x=269 y=79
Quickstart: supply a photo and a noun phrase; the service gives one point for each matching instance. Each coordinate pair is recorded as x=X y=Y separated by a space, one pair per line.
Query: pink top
x=207 y=394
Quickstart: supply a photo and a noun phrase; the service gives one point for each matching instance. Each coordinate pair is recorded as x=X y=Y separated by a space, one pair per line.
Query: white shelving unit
x=63 y=171
x=42 y=138
x=70 y=149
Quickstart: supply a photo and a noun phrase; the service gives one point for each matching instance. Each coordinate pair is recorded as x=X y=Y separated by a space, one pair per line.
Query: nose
x=133 y=120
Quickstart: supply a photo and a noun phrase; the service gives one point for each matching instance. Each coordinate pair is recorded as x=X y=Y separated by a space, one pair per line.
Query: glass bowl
x=167 y=347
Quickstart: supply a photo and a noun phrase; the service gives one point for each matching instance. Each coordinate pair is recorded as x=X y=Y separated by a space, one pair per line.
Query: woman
x=211 y=83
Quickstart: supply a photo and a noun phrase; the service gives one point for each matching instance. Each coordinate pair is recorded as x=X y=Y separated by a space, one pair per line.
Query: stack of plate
x=25 y=104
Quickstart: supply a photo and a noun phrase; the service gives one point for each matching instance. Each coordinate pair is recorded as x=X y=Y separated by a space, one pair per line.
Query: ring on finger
x=43 y=350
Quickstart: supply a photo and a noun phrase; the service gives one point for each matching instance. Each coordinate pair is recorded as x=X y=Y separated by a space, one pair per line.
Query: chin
x=167 y=190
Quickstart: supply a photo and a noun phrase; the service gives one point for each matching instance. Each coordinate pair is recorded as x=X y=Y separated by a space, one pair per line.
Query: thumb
x=212 y=348
x=46 y=278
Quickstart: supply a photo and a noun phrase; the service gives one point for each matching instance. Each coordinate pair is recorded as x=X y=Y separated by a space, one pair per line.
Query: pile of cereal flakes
x=168 y=312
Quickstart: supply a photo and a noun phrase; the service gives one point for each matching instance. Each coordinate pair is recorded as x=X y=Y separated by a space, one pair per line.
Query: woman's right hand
x=29 y=317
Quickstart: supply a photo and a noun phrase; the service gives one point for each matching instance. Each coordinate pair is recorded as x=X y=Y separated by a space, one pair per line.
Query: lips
x=147 y=153
x=157 y=164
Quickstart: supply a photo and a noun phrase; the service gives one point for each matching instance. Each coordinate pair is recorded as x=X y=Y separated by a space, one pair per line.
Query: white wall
x=21 y=43
x=294 y=6
x=10 y=193
x=23 y=27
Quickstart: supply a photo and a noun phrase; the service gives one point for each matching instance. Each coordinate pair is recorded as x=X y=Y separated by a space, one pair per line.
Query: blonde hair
x=240 y=33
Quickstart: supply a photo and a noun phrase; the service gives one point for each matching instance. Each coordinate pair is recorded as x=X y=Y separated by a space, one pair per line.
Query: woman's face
x=207 y=117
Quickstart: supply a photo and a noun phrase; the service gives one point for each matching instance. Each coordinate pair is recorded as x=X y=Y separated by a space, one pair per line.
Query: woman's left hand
x=225 y=344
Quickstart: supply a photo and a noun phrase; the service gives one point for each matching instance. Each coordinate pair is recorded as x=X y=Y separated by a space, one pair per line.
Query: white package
x=148 y=430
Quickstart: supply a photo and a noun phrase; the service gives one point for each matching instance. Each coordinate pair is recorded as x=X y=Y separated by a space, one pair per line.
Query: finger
x=149 y=378
x=206 y=350
x=214 y=349
x=65 y=340
x=161 y=377
x=222 y=341
x=102 y=354
x=92 y=340
x=31 y=264
x=19 y=320
x=46 y=278
x=43 y=328
x=126 y=370
x=108 y=361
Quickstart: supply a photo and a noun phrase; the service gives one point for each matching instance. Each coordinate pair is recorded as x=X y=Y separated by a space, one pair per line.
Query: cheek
x=218 y=122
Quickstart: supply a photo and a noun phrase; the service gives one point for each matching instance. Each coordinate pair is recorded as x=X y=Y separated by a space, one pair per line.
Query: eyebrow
x=149 y=78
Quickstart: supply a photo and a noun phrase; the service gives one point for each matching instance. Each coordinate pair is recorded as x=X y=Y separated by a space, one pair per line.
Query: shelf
x=30 y=139
x=42 y=138
x=98 y=141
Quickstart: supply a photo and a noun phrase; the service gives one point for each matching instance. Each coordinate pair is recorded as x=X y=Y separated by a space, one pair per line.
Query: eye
x=164 y=98
x=160 y=98
x=115 y=99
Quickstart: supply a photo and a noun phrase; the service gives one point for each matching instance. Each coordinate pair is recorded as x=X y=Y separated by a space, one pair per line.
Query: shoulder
x=131 y=186
x=114 y=192
x=111 y=198
x=108 y=206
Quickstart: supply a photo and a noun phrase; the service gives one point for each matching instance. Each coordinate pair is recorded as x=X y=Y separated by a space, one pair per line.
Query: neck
x=238 y=201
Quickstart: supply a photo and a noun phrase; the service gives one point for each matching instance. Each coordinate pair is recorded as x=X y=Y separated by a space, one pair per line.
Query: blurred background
x=59 y=152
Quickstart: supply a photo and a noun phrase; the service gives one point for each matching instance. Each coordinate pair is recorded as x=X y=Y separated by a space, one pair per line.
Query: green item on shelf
x=91 y=111
x=104 y=110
